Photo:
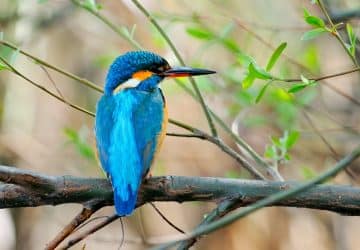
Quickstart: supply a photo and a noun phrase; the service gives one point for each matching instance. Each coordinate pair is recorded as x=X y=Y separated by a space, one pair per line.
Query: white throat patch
x=131 y=83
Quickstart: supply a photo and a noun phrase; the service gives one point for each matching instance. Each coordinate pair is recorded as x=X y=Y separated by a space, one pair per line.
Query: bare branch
x=70 y=189
x=92 y=230
x=80 y=218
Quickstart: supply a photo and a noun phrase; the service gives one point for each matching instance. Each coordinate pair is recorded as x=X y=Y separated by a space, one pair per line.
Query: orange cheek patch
x=142 y=75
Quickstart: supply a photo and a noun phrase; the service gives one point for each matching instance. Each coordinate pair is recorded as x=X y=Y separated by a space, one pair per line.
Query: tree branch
x=90 y=231
x=80 y=218
x=70 y=189
x=343 y=16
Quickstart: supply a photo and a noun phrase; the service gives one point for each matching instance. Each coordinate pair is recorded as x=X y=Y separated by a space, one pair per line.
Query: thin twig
x=314 y=109
x=316 y=79
x=166 y=219
x=185 y=135
x=240 y=159
x=122 y=233
x=52 y=81
x=15 y=71
x=92 y=230
x=334 y=154
x=112 y=26
x=50 y=66
x=80 y=218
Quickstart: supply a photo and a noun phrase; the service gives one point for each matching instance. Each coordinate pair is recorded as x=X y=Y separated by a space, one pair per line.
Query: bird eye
x=164 y=68
x=161 y=69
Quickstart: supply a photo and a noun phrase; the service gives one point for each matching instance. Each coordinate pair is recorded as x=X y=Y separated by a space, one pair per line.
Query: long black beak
x=186 y=71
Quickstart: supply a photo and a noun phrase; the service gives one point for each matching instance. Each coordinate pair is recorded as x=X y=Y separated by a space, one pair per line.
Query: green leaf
x=297 y=87
x=305 y=82
x=70 y=134
x=350 y=32
x=291 y=139
x=276 y=141
x=248 y=81
x=306 y=13
x=91 y=5
x=352 y=38
x=200 y=33
x=270 y=152
x=262 y=92
x=244 y=60
x=81 y=146
x=282 y=96
x=311 y=58
x=287 y=157
x=231 y=45
x=311 y=34
x=315 y=21
x=258 y=72
x=304 y=79
x=4 y=67
x=275 y=56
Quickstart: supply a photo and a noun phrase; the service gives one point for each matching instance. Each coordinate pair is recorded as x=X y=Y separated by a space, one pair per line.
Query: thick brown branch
x=69 y=189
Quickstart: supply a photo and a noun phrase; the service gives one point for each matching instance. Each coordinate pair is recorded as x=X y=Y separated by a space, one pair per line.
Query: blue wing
x=126 y=127
x=148 y=118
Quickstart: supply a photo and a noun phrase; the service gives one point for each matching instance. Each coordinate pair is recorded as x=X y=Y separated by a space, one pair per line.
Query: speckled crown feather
x=127 y=64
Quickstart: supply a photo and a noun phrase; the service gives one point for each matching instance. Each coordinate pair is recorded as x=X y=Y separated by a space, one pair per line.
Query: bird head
x=143 y=70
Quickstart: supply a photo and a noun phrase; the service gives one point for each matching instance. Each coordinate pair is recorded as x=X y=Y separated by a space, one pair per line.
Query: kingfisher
x=131 y=119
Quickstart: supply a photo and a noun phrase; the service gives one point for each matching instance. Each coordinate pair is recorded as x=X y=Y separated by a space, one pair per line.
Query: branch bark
x=23 y=188
x=343 y=16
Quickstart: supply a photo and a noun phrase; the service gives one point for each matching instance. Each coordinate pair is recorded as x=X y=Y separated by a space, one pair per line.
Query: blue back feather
x=127 y=126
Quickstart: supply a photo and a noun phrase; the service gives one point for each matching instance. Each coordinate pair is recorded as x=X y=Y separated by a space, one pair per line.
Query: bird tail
x=125 y=206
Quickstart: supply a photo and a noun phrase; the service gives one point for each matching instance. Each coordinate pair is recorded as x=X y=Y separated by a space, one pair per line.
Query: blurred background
x=39 y=133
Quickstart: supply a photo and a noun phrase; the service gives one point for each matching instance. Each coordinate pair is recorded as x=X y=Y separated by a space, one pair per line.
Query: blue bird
x=131 y=119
